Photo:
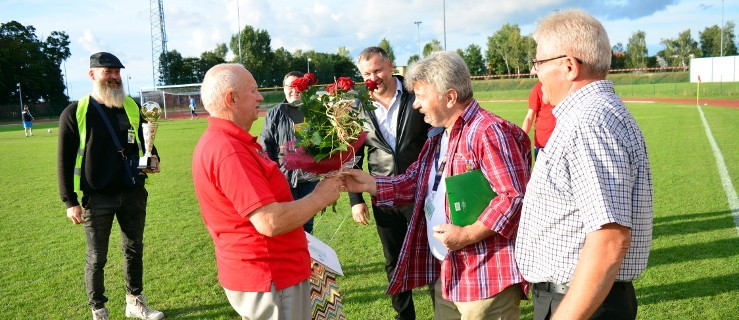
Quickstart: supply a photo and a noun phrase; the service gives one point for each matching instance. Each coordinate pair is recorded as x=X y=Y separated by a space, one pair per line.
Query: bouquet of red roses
x=332 y=130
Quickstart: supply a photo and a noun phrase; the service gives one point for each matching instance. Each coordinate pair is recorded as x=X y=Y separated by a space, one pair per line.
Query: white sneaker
x=136 y=308
x=100 y=314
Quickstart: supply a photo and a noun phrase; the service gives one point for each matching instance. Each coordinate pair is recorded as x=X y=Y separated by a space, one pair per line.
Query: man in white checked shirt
x=586 y=224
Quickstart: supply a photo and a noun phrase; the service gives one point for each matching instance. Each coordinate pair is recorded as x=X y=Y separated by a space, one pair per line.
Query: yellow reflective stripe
x=132 y=112
x=81 y=116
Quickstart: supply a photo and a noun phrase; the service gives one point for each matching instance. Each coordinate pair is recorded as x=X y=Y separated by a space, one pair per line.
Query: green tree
x=432 y=46
x=710 y=40
x=679 y=51
x=508 y=45
x=344 y=52
x=283 y=63
x=636 y=50
x=56 y=49
x=494 y=64
x=35 y=64
x=473 y=58
x=171 y=68
x=329 y=66
x=385 y=44
x=529 y=51
x=209 y=59
x=413 y=59
x=255 y=54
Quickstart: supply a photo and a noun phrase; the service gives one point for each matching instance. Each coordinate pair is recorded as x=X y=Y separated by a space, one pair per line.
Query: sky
x=194 y=26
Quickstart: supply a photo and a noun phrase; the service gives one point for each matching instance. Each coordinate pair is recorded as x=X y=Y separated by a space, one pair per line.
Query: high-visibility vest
x=132 y=112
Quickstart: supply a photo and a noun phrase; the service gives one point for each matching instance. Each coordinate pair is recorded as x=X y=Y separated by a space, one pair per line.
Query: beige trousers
x=504 y=306
x=291 y=303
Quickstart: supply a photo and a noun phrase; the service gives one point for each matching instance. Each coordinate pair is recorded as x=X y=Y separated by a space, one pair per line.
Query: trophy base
x=150 y=163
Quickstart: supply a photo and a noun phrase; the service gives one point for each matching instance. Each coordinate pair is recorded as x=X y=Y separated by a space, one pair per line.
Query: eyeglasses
x=536 y=63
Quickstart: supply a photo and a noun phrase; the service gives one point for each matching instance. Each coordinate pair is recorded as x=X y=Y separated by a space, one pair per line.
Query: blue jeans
x=302 y=190
x=129 y=207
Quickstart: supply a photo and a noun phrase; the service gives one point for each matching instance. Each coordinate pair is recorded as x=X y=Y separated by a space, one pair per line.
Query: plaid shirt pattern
x=478 y=140
x=594 y=171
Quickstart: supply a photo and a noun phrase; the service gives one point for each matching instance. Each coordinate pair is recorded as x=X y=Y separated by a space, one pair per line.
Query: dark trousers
x=301 y=190
x=619 y=304
x=392 y=225
x=129 y=208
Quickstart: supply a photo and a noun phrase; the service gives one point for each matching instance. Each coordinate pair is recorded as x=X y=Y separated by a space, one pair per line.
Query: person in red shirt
x=540 y=112
x=472 y=266
x=245 y=201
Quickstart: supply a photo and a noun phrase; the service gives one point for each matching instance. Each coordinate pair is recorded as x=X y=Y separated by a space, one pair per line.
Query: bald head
x=230 y=92
x=218 y=82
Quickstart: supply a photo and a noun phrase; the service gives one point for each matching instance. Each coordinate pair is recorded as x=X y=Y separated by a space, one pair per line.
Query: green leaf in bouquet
x=316 y=139
x=341 y=147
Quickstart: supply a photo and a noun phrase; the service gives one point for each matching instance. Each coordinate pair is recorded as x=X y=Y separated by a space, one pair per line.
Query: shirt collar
x=231 y=128
x=396 y=98
x=571 y=101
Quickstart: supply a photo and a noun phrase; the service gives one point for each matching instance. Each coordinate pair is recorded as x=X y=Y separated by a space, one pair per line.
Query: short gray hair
x=218 y=81
x=576 y=33
x=444 y=70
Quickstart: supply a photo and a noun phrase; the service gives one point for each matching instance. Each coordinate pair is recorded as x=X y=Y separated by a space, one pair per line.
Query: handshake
x=351 y=180
x=347 y=180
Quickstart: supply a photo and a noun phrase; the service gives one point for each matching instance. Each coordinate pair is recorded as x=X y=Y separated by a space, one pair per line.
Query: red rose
x=311 y=78
x=345 y=83
x=300 y=84
x=331 y=88
x=371 y=85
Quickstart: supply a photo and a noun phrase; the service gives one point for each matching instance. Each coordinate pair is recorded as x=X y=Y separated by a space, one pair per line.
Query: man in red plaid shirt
x=473 y=267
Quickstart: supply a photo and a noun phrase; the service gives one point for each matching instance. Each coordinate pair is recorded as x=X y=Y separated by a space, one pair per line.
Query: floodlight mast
x=159 y=63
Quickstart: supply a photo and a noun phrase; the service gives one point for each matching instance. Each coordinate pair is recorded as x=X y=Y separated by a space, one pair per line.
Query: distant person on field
x=586 y=225
x=27 y=121
x=193 y=106
x=89 y=162
x=472 y=266
x=278 y=129
x=257 y=228
x=541 y=113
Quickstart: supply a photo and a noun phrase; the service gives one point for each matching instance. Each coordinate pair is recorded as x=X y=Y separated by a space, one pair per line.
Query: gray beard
x=112 y=97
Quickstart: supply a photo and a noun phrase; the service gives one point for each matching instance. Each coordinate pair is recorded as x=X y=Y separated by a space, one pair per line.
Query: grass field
x=693 y=271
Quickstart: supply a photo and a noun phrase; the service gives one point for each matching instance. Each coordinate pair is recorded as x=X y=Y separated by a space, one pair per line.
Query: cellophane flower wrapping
x=297 y=158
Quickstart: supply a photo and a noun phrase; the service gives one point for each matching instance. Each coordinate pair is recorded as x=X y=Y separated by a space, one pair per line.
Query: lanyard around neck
x=439 y=166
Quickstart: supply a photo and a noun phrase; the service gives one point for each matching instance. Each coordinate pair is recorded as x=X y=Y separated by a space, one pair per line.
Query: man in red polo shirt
x=246 y=204
x=540 y=112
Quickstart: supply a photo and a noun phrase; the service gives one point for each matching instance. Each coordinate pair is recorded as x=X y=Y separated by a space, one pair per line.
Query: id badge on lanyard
x=428 y=207
x=131 y=136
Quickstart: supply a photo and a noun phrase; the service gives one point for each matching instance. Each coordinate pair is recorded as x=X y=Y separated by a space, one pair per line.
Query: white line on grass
x=723 y=172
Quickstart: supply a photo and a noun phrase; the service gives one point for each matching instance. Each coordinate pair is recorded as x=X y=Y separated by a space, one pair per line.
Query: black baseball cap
x=105 y=60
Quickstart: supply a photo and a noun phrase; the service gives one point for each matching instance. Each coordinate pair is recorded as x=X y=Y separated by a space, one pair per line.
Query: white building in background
x=716 y=69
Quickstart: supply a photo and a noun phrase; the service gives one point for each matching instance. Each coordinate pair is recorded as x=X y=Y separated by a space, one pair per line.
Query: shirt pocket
x=462 y=163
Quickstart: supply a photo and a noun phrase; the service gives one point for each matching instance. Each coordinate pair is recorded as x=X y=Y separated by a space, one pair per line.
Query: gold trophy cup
x=151 y=111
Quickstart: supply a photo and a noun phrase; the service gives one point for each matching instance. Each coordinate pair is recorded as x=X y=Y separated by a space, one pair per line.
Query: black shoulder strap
x=108 y=125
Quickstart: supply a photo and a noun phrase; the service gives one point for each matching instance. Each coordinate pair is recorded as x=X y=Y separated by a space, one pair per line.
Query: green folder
x=469 y=194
